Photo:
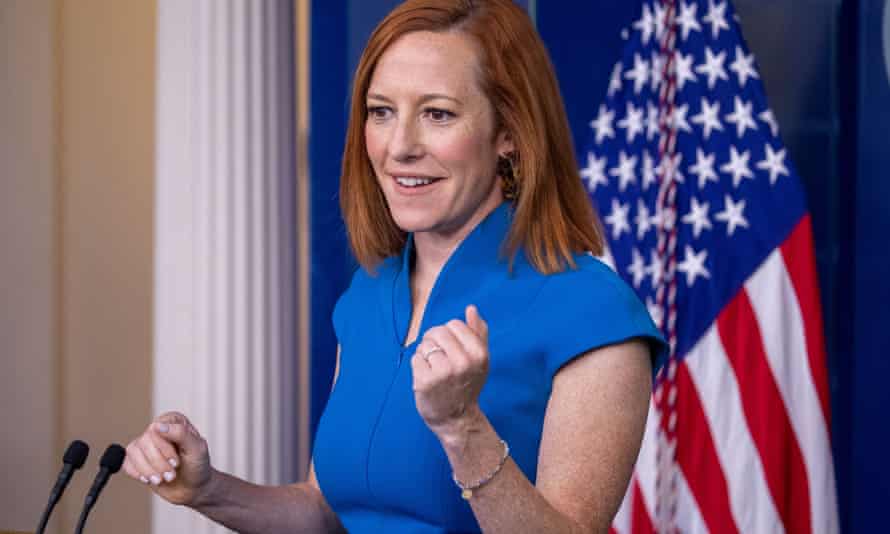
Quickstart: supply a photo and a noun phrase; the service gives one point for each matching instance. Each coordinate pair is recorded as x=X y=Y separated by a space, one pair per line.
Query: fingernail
x=156 y=480
x=163 y=428
x=143 y=479
x=173 y=462
x=169 y=476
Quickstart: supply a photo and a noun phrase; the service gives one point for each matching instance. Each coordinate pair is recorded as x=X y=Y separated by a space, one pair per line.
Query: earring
x=507 y=170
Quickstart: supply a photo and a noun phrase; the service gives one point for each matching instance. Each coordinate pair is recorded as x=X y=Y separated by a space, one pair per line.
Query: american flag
x=706 y=219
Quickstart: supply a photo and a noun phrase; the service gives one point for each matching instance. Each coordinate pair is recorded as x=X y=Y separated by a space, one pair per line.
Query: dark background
x=823 y=66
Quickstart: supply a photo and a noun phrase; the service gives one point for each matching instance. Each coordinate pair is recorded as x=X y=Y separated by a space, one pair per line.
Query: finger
x=181 y=433
x=131 y=471
x=420 y=373
x=140 y=464
x=168 y=454
x=472 y=343
x=161 y=470
x=435 y=358
x=476 y=323
x=453 y=350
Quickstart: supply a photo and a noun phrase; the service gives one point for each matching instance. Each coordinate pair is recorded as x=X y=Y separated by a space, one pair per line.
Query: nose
x=406 y=144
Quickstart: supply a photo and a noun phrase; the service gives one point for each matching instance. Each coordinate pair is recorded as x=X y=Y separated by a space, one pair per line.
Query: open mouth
x=415 y=182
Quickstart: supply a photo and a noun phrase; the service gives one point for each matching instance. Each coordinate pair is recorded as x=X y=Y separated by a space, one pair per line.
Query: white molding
x=225 y=280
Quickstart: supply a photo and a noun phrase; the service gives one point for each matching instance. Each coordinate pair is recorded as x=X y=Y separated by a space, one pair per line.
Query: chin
x=412 y=222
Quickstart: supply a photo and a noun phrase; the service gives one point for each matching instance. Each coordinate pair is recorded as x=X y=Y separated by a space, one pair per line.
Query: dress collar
x=477 y=256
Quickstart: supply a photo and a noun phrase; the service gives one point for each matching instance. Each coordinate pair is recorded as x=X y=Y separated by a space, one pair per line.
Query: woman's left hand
x=450 y=367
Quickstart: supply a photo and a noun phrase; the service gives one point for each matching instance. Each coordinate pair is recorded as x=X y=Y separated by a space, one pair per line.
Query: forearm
x=249 y=508
x=509 y=502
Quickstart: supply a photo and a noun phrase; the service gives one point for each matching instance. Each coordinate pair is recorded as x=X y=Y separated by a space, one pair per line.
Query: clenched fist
x=172 y=458
x=449 y=369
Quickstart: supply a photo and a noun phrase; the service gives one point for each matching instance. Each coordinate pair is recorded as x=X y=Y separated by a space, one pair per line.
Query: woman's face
x=430 y=134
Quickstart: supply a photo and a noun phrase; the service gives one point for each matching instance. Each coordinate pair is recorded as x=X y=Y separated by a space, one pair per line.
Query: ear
x=504 y=143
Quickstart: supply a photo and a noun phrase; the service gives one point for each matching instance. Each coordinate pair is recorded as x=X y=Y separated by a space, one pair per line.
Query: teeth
x=414 y=182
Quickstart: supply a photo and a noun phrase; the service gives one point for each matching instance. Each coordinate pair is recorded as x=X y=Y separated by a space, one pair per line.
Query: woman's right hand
x=172 y=458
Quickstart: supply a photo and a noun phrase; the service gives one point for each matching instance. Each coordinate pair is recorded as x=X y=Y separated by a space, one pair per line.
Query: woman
x=492 y=375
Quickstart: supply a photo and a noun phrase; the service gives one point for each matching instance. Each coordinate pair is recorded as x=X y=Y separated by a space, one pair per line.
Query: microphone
x=111 y=462
x=73 y=459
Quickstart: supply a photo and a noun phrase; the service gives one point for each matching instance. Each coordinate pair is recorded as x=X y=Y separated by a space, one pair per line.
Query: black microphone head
x=76 y=454
x=113 y=458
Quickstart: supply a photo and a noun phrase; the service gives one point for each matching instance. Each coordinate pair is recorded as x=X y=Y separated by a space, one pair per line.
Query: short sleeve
x=345 y=305
x=590 y=307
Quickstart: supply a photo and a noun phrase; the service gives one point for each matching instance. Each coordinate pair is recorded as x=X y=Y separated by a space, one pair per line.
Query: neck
x=432 y=249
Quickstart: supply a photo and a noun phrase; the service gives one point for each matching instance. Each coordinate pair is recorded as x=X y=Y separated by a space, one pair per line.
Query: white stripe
x=750 y=500
x=621 y=521
x=780 y=320
x=689 y=518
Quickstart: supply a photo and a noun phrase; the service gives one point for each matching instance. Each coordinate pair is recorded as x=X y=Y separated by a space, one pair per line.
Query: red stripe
x=698 y=458
x=768 y=421
x=797 y=251
x=640 y=522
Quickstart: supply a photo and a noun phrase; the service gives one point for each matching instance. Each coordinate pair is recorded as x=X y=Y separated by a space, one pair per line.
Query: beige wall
x=76 y=204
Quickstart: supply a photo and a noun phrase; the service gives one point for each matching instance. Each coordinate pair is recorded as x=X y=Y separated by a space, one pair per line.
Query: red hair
x=553 y=217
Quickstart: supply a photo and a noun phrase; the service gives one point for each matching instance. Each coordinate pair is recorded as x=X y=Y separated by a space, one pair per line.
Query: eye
x=439 y=115
x=379 y=113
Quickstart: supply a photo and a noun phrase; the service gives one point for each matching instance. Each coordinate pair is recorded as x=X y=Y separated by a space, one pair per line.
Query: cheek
x=374 y=145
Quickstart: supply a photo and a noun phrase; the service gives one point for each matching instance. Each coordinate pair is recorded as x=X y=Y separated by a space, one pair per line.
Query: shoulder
x=590 y=306
x=590 y=282
x=362 y=289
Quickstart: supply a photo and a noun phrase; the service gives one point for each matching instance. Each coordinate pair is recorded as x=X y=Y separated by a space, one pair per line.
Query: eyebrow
x=424 y=99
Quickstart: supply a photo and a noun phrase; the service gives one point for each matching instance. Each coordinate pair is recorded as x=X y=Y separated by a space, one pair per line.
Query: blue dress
x=378 y=465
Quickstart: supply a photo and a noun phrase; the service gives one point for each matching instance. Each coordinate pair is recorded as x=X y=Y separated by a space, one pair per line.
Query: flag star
x=669 y=166
x=624 y=171
x=657 y=71
x=637 y=267
x=678 y=118
x=770 y=120
x=743 y=66
x=708 y=118
x=615 y=81
x=655 y=269
x=664 y=218
x=741 y=116
x=639 y=73
x=658 y=14
x=642 y=219
x=655 y=312
x=716 y=17
x=687 y=20
x=646 y=25
x=651 y=121
x=683 y=69
x=632 y=122
x=618 y=219
x=732 y=215
x=649 y=177
x=697 y=217
x=693 y=265
x=603 y=124
x=774 y=163
x=713 y=67
x=595 y=172
x=738 y=166
x=704 y=168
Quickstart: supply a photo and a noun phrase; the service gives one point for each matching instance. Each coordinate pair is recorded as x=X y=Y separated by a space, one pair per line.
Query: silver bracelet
x=466 y=490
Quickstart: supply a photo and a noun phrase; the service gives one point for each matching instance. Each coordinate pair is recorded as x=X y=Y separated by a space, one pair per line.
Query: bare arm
x=592 y=432
x=249 y=508
x=173 y=458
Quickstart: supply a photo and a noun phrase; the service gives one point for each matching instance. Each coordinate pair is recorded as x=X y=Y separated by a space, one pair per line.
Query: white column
x=225 y=280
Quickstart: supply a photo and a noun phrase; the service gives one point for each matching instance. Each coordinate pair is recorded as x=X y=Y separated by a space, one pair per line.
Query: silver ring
x=426 y=355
